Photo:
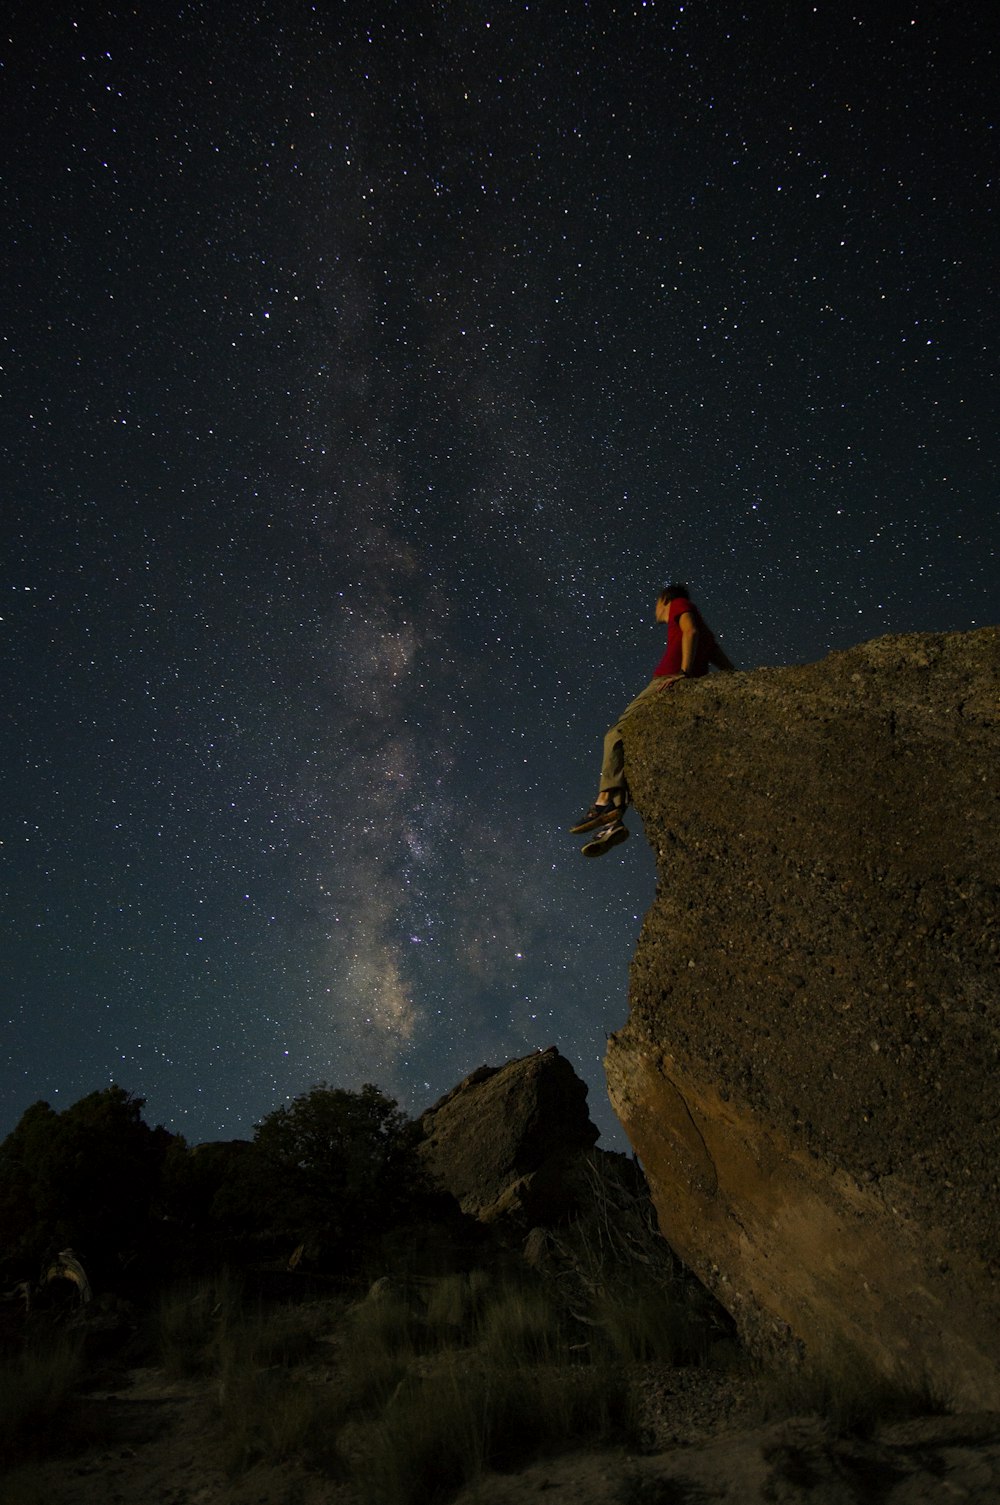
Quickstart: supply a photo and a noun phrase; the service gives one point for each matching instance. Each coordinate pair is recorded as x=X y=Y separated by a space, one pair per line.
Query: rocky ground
x=917 y=1463
x=158 y=1443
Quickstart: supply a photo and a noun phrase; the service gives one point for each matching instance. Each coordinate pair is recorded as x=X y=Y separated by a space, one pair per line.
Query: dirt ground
x=158 y=1446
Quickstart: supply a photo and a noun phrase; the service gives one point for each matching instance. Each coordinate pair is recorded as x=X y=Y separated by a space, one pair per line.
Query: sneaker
x=598 y=815
x=605 y=840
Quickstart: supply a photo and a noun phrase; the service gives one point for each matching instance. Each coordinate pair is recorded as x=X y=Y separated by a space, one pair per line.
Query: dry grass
x=265 y=1410
x=846 y=1389
x=36 y=1394
x=189 y=1319
x=482 y=1377
x=201 y=1327
x=640 y=1321
x=444 y=1430
x=422 y=1388
x=24 y=1486
x=437 y=1382
x=272 y=1416
x=453 y=1302
x=520 y=1325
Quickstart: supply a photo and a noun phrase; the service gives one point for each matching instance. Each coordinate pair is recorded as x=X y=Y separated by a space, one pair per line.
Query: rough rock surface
x=505 y=1141
x=809 y=1072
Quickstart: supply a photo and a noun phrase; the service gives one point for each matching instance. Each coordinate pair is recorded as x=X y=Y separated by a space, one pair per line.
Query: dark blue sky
x=366 y=372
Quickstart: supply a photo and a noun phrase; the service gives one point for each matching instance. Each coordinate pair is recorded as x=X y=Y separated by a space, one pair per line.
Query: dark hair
x=672 y=593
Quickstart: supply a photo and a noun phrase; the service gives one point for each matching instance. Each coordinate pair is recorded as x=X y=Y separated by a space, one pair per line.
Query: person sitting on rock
x=691 y=649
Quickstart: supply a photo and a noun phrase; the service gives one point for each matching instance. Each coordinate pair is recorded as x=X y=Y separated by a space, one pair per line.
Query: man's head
x=665 y=597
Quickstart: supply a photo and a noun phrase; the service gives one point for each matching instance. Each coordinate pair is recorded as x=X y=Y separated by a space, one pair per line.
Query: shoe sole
x=602 y=844
x=598 y=820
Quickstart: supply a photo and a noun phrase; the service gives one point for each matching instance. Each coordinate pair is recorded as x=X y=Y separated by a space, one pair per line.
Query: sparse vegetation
x=433 y=1382
x=639 y=1321
x=846 y=1389
x=266 y=1410
x=271 y=1415
x=632 y=1299
x=189 y=1320
x=453 y=1300
x=425 y=1385
x=450 y=1427
x=493 y=1380
x=520 y=1325
x=36 y=1390
x=409 y=1393
x=211 y=1326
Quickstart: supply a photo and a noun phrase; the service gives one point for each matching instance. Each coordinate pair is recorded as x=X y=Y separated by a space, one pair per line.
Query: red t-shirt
x=670 y=663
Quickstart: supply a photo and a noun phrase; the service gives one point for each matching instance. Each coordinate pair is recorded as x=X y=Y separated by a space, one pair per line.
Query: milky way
x=367 y=371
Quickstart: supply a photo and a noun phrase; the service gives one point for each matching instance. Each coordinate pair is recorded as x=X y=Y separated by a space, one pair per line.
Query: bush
x=84 y=1178
x=335 y=1169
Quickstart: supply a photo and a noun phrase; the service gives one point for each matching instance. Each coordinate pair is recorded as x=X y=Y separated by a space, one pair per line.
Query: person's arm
x=689 y=641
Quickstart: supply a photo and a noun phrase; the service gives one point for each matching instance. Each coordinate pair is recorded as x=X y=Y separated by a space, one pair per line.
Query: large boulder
x=505 y=1141
x=809 y=1072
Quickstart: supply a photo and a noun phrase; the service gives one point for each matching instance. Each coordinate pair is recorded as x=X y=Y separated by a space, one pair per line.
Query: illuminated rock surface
x=809 y=1072
x=505 y=1142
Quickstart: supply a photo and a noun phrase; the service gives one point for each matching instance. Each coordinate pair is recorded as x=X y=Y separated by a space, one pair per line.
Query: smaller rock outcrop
x=504 y=1141
x=514 y=1145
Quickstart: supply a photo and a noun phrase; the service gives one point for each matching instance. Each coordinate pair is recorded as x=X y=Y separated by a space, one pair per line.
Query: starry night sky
x=367 y=370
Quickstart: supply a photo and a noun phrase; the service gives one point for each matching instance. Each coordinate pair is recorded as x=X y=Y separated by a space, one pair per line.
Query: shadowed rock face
x=504 y=1141
x=809 y=1072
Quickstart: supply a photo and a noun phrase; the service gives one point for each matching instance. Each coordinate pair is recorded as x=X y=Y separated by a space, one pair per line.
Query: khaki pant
x=613 y=767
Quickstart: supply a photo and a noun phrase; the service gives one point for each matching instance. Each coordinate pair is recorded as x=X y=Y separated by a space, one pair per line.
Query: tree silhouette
x=335 y=1166
x=84 y=1178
